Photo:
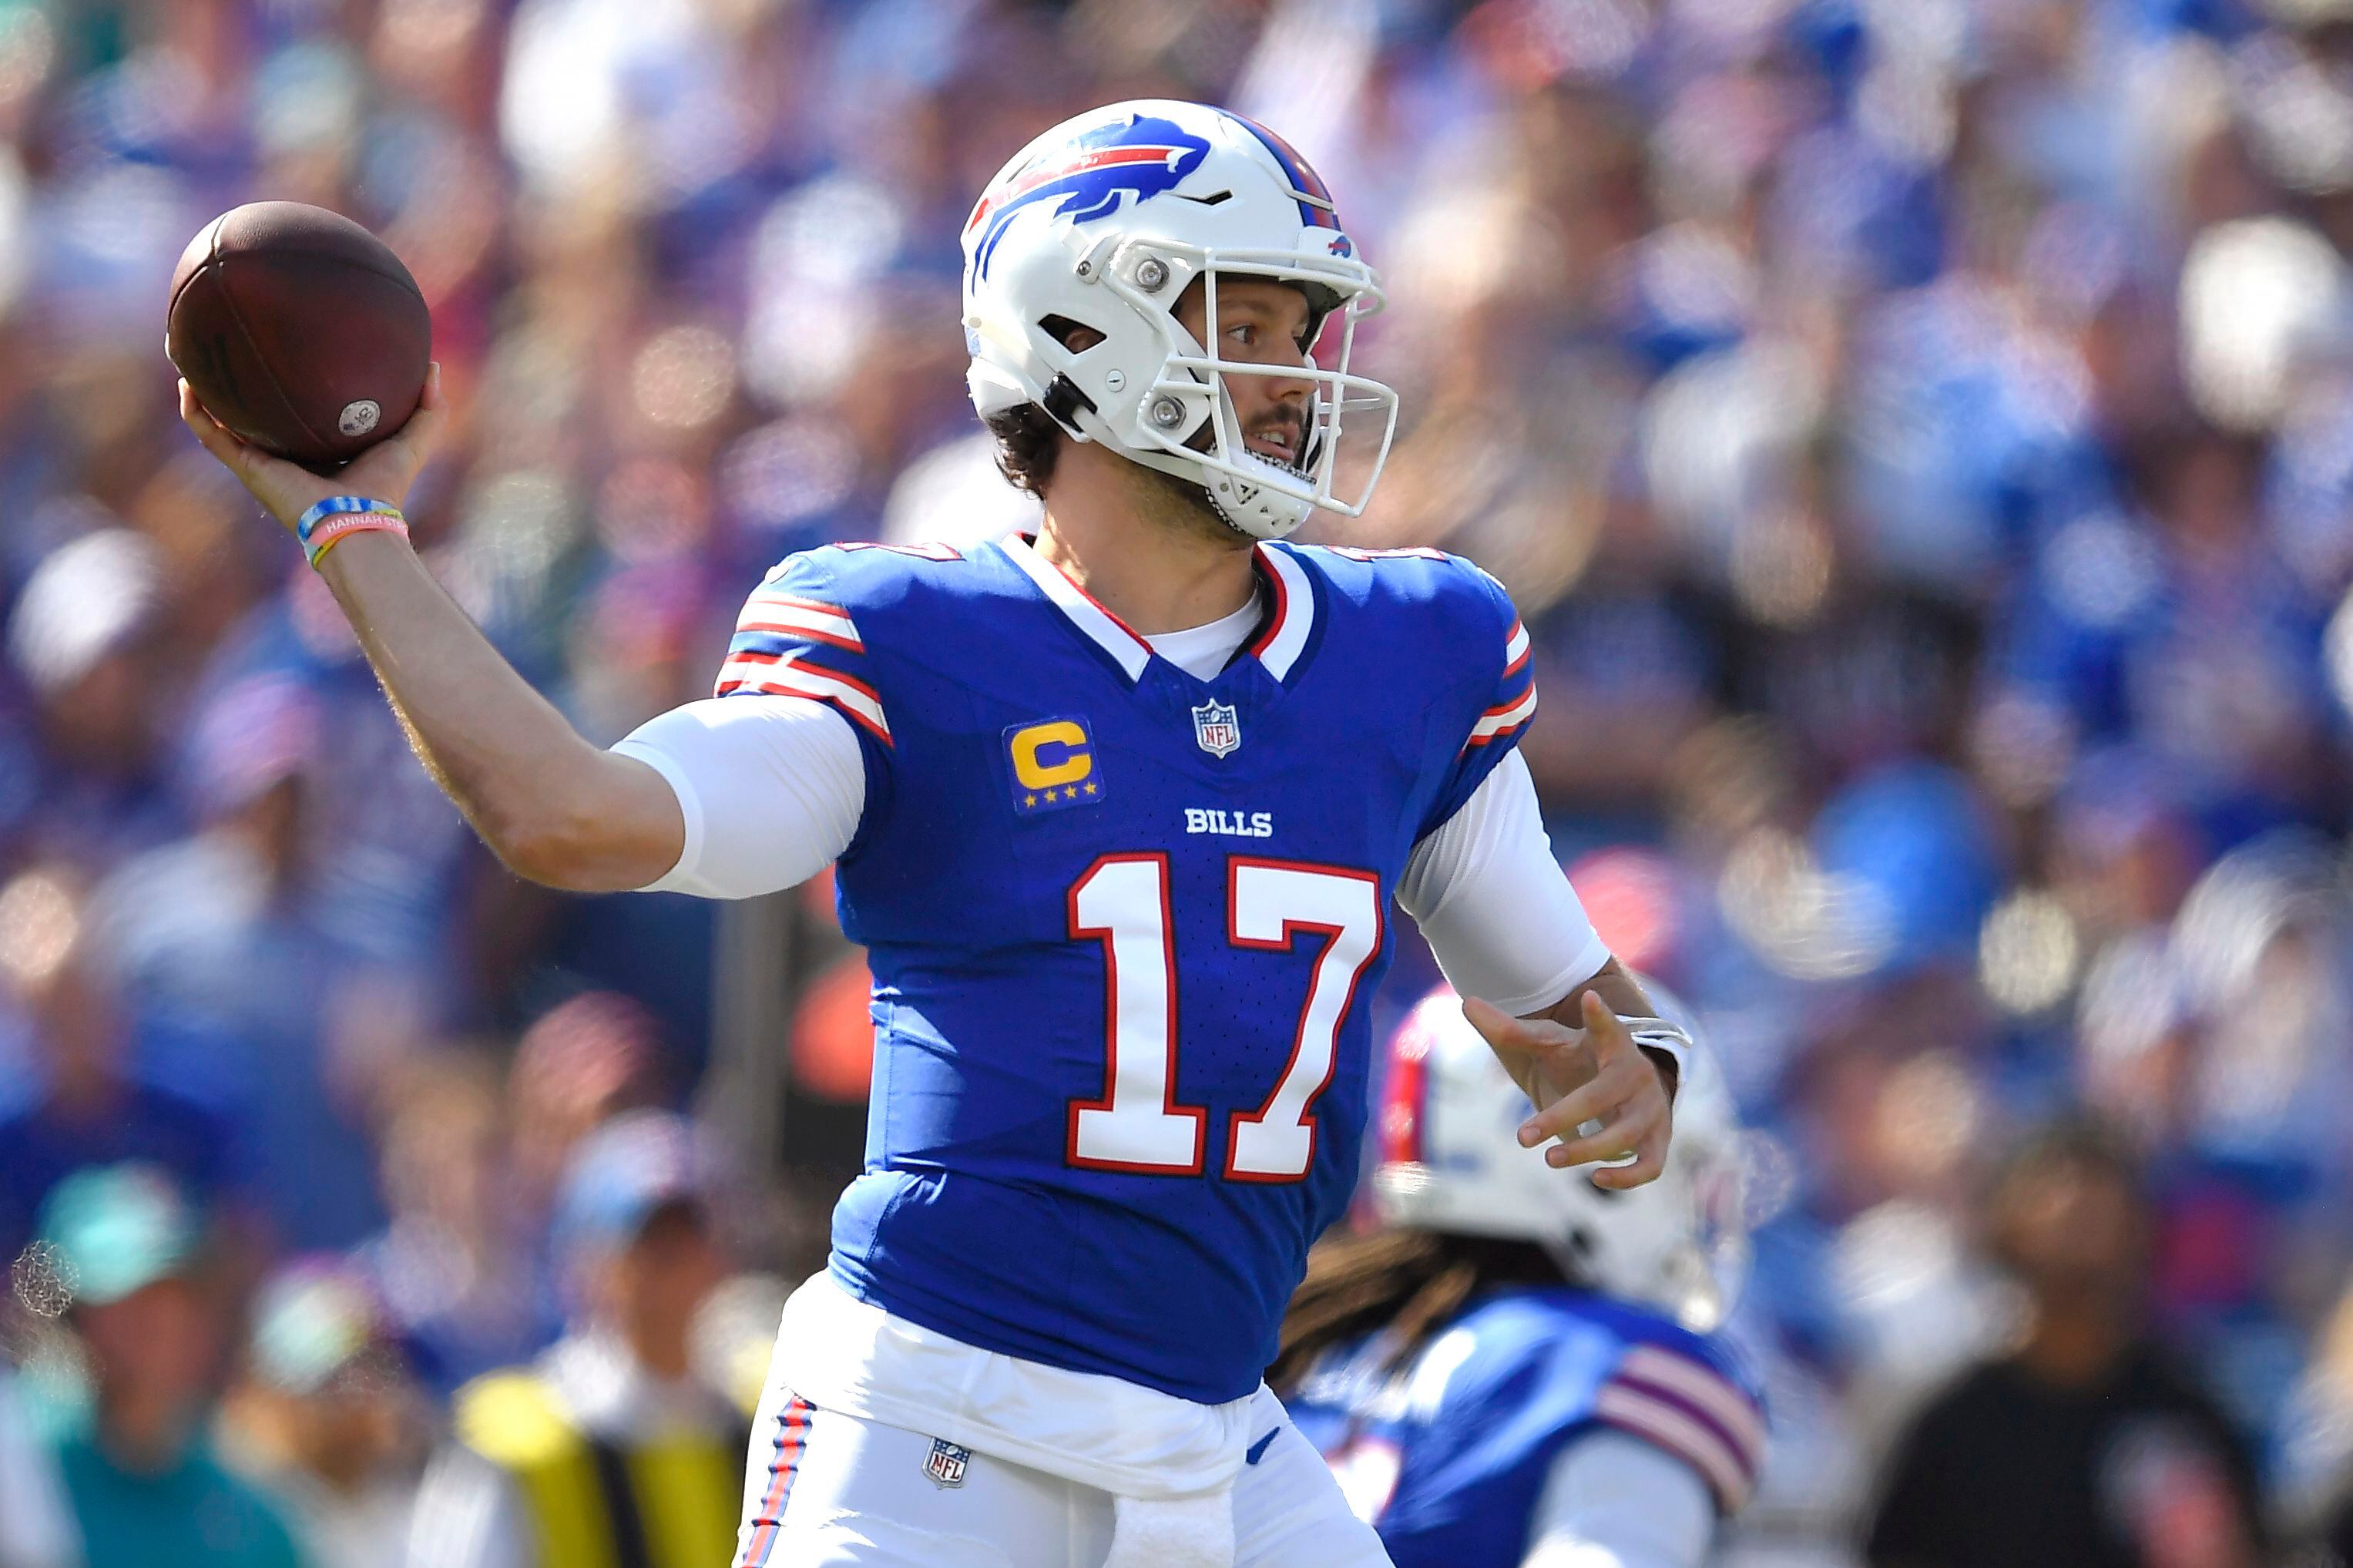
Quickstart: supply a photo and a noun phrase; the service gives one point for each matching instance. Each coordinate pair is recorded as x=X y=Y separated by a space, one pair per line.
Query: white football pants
x=828 y=1490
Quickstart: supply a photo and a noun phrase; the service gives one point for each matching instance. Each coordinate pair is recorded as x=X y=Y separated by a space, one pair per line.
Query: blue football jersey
x=1447 y=1455
x=1125 y=925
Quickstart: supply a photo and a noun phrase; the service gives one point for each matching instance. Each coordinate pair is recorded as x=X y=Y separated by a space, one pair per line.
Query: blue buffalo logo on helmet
x=1139 y=159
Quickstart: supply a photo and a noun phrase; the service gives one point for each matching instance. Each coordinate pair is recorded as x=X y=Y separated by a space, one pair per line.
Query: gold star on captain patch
x=1028 y=800
x=1049 y=797
x=1091 y=789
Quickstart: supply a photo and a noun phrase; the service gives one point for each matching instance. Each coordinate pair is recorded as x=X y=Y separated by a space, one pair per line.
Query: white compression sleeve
x=1502 y=919
x=771 y=788
x=1614 y=1502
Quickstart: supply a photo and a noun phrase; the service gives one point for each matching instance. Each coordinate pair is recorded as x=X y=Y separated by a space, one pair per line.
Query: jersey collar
x=1284 y=636
x=1277 y=645
x=1107 y=631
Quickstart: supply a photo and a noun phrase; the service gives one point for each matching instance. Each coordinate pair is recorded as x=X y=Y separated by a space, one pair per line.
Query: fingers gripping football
x=385 y=472
x=1593 y=1089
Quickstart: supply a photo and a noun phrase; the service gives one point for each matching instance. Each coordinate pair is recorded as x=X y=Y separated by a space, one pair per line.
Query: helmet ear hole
x=1075 y=336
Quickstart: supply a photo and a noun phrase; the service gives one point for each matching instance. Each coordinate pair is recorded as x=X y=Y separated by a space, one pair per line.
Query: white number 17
x=1137 y=1125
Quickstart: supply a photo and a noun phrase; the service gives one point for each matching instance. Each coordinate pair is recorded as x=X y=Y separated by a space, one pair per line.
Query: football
x=299 y=330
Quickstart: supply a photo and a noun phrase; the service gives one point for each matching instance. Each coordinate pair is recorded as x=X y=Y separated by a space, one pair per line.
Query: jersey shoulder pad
x=1444 y=603
x=1420 y=580
x=807 y=631
x=1693 y=1396
x=872 y=578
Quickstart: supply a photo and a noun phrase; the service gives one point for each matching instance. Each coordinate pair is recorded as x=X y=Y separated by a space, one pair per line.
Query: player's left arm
x=1567 y=1022
x=1599 y=1089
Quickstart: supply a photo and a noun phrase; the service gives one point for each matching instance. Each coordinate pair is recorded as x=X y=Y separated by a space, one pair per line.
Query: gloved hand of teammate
x=383 y=472
x=1576 y=1077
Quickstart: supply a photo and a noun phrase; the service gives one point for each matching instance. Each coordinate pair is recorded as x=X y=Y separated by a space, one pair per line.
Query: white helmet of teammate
x=1103 y=222
x=1451 y=1161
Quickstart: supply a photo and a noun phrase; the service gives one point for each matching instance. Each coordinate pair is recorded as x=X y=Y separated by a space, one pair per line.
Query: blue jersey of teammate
x=1447 y=1455
x=1125 y=925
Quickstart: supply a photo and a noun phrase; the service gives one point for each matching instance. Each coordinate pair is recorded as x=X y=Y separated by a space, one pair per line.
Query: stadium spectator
x=578 y=1066
x=81 y=640
x=2086 y=1442
x=609 y=1444
x=93 y=1105
x=458 y=1265
x=2313 y=1483
x=326 y=1418
x=215 y=940
x=36 y=1529
x=140 y=1470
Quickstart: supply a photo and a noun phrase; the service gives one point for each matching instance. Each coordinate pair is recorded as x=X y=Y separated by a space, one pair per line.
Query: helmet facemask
x=1187 y=423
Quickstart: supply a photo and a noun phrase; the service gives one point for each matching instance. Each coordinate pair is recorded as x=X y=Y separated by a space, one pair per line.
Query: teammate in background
x=1516 y=1373
x=1118 y=811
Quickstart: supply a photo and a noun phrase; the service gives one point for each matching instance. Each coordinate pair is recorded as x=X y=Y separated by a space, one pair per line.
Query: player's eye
x=1245 y=334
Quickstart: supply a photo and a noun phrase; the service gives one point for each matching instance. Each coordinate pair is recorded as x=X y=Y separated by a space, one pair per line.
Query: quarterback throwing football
x=1119 y=811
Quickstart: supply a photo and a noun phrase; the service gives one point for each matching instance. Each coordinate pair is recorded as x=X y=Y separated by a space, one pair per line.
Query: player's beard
x=1184 y=504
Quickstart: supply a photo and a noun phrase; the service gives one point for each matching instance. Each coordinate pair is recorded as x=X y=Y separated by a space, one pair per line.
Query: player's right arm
x=555 y=808
x=753 y=791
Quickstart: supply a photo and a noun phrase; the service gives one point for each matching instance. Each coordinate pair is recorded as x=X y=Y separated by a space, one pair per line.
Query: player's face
x=1258 y=322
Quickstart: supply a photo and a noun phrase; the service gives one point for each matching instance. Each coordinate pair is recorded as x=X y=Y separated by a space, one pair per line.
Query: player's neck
x=1156 y=572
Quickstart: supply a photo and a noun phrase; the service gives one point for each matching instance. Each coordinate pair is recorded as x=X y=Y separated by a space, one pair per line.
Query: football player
x=1118 y=810
x=1516 y=1371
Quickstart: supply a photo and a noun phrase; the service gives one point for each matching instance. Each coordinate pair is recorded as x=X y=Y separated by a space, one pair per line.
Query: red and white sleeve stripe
x=1688 y=1409
x=1515 y=694
x=788 y=646
x=778 y=674
x=785 y=615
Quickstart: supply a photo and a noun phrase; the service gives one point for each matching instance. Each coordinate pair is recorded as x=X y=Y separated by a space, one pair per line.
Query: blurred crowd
x=1916 y=432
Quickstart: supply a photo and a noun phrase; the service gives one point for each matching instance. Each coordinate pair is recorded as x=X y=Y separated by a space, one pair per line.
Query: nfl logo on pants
x=946 y=1464
x=1217 y=728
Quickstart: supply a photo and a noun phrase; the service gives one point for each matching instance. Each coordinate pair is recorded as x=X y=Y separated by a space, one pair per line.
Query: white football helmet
x=1103 y=222
x=1451 y=1161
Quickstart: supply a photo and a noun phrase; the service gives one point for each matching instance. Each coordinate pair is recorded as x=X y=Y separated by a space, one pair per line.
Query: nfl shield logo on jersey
x=1217 y=728
x=947 y=1462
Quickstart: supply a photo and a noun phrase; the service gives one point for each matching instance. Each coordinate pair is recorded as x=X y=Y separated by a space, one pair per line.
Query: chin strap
x=1062 y=402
